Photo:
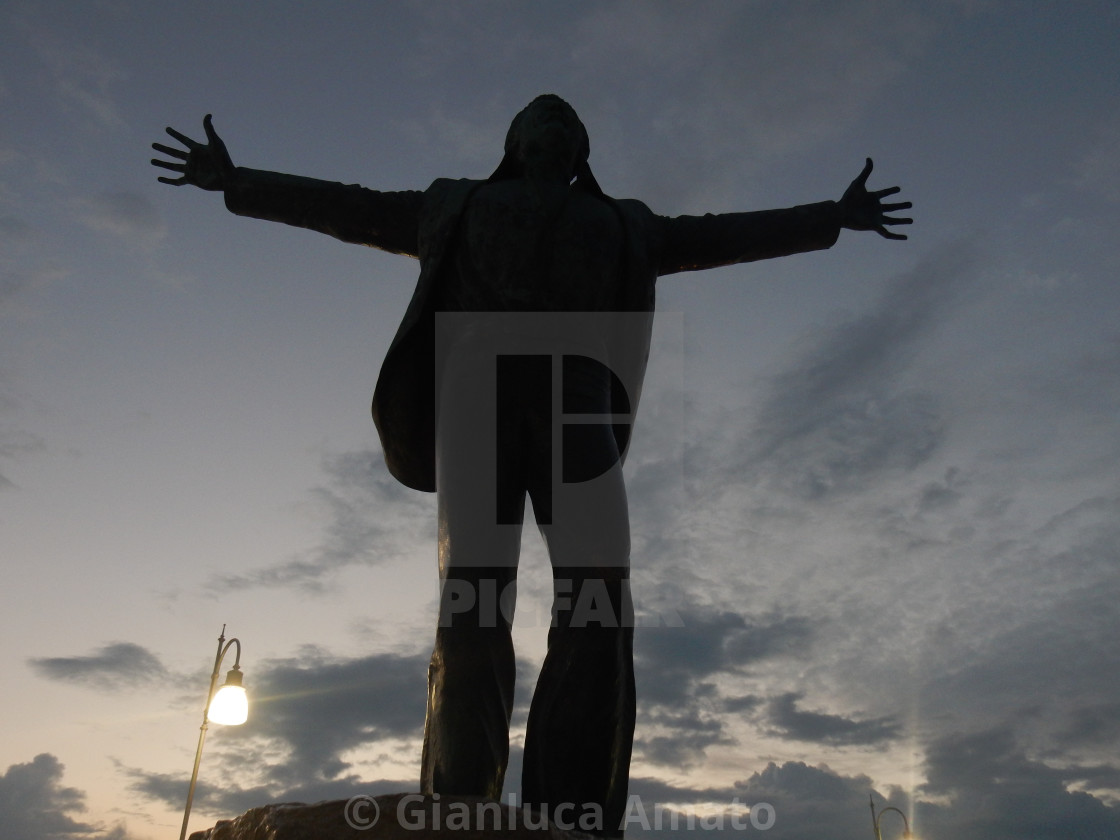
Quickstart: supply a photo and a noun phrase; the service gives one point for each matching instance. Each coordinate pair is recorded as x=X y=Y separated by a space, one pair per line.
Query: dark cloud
x=790 y=722
x=937 y=495
x=999 y=793
x=115 y=666
x=356 y=532
x=1092 y=724
x=770 y=637
x=673 y=663
x=681 y=710
x=306 y=714
x=318 y=708
x=810 y=801
x=34 y=805
x=981 y=786
x=839 y=417
x=228 y=798
x=691 y=733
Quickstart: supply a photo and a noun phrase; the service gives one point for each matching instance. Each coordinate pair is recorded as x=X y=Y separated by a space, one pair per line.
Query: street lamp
x=229 y=706
x=875 y=820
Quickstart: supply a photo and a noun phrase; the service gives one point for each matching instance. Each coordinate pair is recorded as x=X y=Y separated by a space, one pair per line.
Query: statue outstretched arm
x=690 y=243
x=385 y=220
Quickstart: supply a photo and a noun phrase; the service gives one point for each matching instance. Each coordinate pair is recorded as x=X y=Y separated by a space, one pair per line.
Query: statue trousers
x=501 y=437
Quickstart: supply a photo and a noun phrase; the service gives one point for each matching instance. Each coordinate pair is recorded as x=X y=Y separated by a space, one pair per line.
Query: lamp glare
x=230 y=705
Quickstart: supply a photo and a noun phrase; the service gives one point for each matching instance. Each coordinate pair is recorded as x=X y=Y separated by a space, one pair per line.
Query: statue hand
x=207 y=166
x=864 y=210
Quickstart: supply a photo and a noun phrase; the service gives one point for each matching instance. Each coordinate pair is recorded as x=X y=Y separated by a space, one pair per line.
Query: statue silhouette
x=516 y=372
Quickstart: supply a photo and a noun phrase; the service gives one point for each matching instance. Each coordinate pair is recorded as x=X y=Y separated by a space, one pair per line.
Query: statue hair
x=510 y=167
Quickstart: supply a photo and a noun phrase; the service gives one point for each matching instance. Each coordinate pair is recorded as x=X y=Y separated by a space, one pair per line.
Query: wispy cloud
x=14 y=442
x=838 y=417
x=81 y=78
x=822 y=67
x=127 y=215
x=369 y=519
x=1098 y=169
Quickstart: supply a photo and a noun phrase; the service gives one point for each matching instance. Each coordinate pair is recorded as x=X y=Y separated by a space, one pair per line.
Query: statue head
x=547 y=131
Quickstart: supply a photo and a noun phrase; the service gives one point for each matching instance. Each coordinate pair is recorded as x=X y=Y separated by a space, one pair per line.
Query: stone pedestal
x=395 y=816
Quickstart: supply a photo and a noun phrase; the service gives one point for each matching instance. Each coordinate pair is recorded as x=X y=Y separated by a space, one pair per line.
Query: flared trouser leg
x=581 y=722
x=470 y=701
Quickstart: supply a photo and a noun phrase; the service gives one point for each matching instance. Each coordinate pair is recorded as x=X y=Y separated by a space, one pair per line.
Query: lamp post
x=229 y=706
x=875 y=819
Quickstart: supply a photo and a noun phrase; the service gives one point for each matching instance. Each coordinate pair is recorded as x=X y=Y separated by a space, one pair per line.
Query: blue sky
x=874 y=489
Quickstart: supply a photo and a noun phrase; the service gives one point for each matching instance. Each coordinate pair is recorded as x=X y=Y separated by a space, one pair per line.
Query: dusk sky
x=874 y=490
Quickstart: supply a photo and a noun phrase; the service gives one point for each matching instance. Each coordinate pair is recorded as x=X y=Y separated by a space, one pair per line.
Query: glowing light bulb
x=230 y=705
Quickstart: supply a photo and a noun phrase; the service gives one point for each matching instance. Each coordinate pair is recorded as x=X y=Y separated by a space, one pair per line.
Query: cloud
x=127 y=215
x=794 y=724
x=999 y=793
x=313 y=719
x=308 y=712
x=13 y=231
x=34 y=805
x=227 y=799
x=1054 y=616
x=1093 y=723
x=839 y=417
x=115 y=666
x=796 y=800
x=80 y=77
x=14 y=441
x=356 y=531
x=691 y=733
x=810 y=801
x=1098 y=169
x=682 y=710
x=740 y=82
x=674 y=662
x=16 y=279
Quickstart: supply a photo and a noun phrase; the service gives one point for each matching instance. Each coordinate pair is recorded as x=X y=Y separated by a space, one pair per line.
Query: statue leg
x=581 y=721
x=472 y=670
x=470 y=694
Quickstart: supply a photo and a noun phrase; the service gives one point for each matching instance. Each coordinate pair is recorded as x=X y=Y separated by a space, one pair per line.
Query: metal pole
x=203 y=728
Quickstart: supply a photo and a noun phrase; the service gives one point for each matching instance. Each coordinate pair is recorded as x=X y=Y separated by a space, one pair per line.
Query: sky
x=874 y=491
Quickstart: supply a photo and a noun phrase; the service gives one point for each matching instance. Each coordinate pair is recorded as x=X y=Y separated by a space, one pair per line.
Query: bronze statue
x=465 y=406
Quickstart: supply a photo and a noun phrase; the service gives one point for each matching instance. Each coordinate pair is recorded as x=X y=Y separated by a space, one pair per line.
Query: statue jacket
x=422 y=224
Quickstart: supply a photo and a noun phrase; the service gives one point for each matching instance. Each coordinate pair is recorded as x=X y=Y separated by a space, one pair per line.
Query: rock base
x=395 y=816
